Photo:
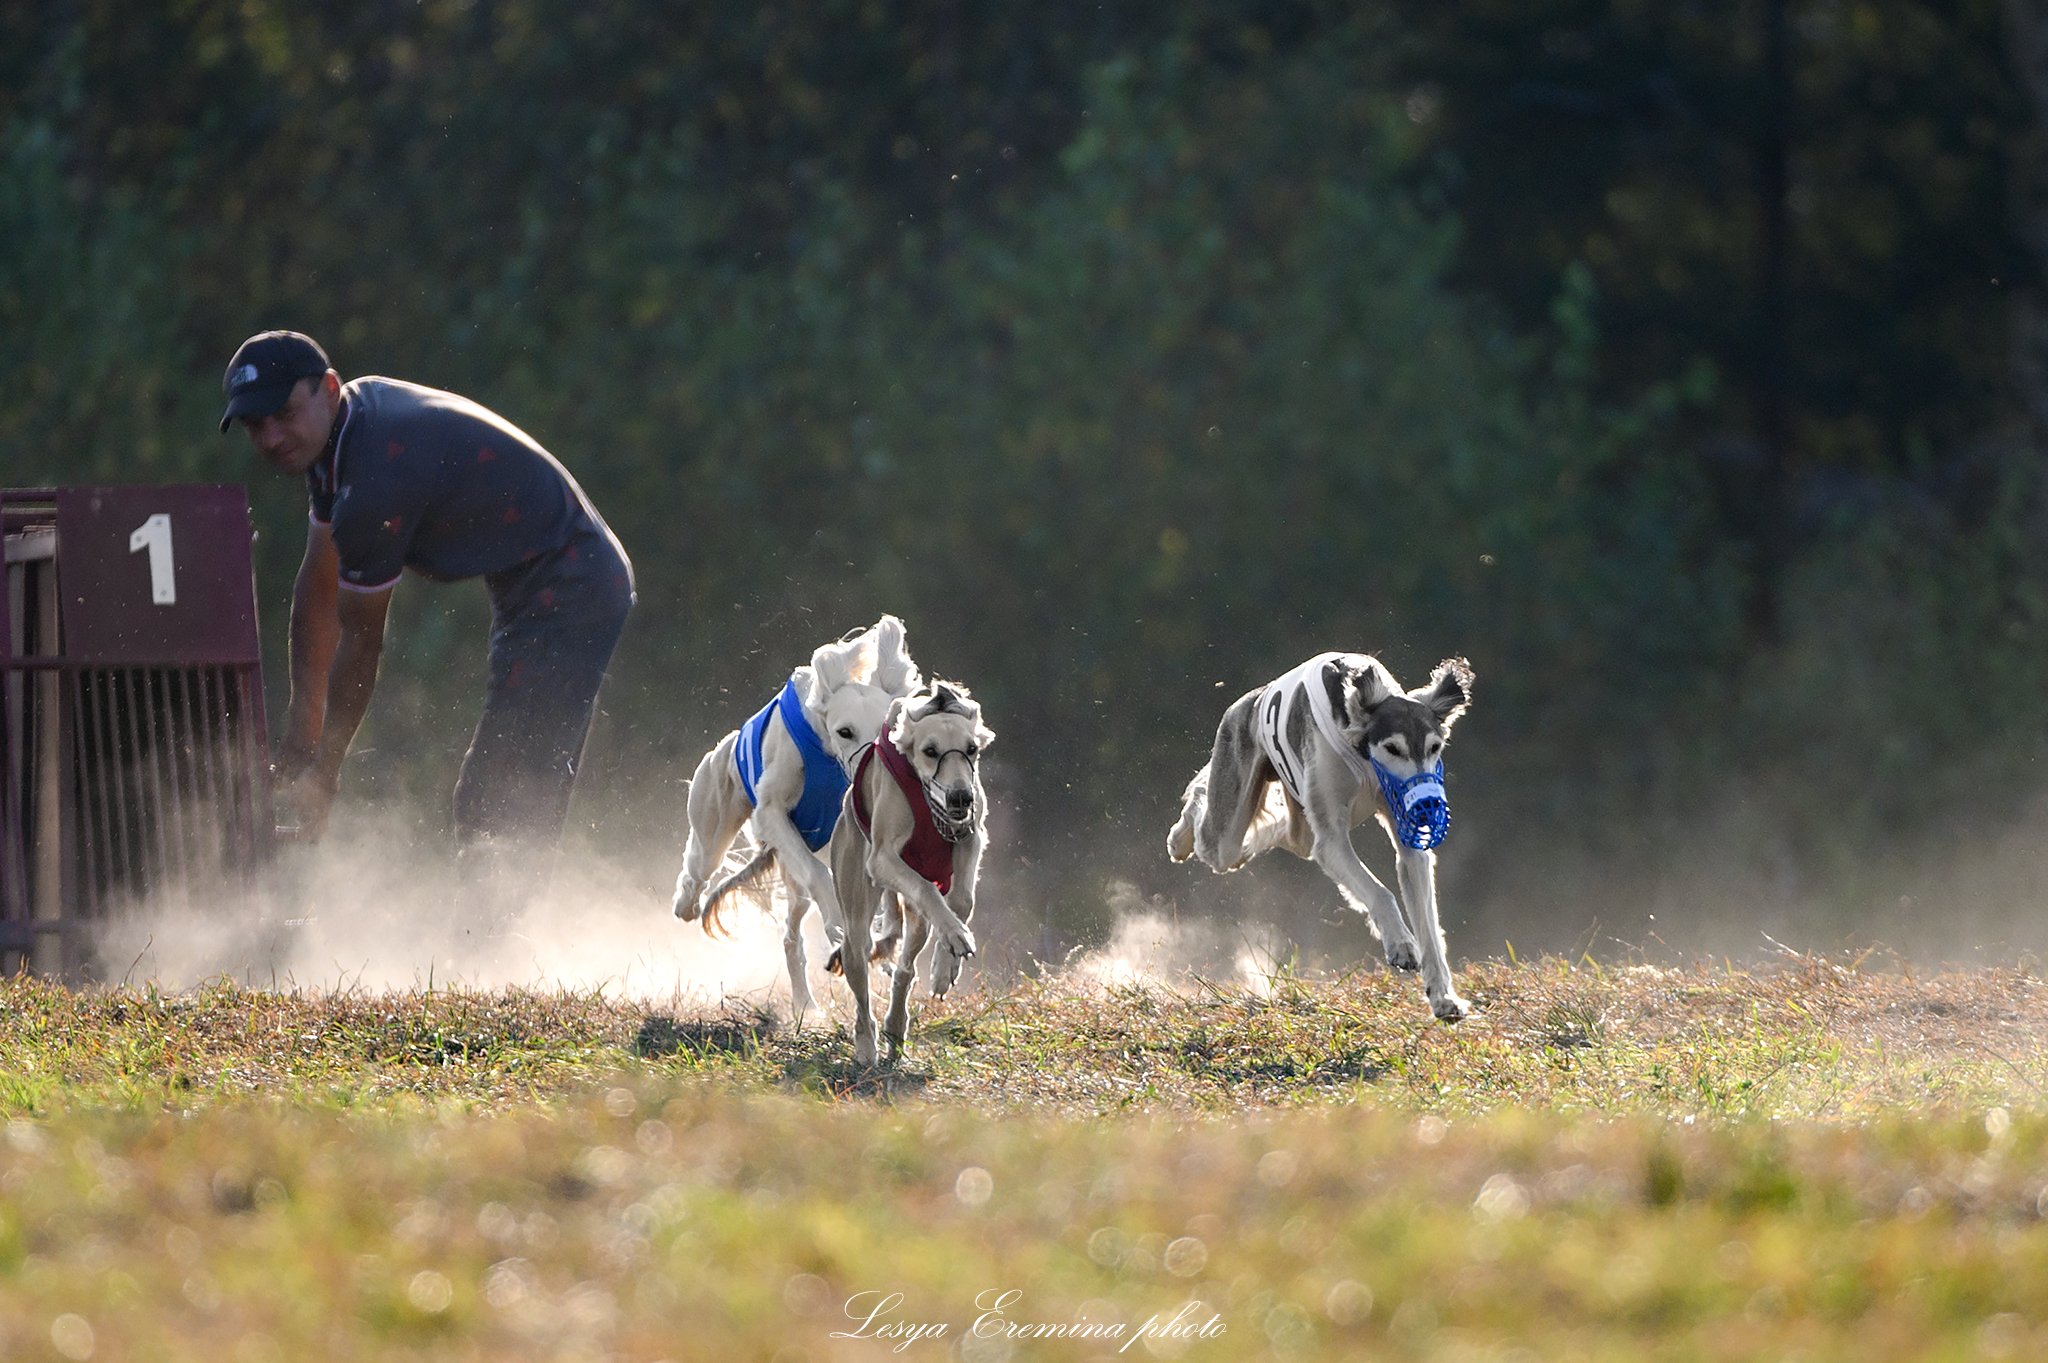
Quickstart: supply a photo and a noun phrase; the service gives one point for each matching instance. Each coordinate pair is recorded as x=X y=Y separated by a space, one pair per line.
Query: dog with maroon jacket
x=917 y=823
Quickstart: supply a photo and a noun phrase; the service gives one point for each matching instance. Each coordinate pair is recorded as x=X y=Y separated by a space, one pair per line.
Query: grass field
x=1807 y=1160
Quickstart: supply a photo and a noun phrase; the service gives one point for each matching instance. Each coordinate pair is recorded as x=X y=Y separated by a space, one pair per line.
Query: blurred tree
x=1130 y=352
x=2028 y=23
x=1656 y=145
x=89 y=302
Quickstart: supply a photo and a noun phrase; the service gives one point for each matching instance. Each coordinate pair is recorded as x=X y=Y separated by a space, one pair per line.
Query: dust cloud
x=1730 y=887
x=1148 y=947
x=371 y=908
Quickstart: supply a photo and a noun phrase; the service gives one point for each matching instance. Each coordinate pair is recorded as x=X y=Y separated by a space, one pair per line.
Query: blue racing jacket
x=824 y=780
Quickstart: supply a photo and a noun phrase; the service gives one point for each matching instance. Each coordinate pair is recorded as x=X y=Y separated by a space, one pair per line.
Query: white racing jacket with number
x=1304 y=686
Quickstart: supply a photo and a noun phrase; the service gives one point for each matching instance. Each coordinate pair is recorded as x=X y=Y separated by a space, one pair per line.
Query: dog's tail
x=752 y=882
x=1194 y=803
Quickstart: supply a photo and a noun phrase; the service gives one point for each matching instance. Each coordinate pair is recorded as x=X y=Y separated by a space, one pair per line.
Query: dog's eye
x=845 y=731
x=930 y=751
x=972 y=749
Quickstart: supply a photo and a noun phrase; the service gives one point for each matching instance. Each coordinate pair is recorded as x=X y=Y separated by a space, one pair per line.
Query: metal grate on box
x=134 y=746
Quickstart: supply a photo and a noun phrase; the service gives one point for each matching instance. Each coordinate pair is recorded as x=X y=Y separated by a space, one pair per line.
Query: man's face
x=291 y=438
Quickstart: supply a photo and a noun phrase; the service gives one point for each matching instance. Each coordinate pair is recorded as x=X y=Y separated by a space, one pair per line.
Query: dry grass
x=1803 y=1038
x=1584 y=1172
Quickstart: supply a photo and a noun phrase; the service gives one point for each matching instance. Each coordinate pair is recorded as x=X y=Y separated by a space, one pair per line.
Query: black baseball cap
x=260 y=377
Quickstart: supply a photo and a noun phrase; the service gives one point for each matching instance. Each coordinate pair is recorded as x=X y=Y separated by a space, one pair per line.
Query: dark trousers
x=554 y=623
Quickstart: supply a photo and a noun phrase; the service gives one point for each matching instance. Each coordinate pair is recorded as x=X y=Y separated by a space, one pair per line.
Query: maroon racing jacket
x=927 y=853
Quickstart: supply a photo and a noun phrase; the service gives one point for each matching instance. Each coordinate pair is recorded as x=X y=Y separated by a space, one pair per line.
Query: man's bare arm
x=358 y=643
x=353 y=676
x=316 y=633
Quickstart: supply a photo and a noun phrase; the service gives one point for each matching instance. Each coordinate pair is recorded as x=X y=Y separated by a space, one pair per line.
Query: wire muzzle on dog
x=952 y=826
x=1422 y=812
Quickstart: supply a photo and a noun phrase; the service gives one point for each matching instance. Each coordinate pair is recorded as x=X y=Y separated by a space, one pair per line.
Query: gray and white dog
x=1301 y=761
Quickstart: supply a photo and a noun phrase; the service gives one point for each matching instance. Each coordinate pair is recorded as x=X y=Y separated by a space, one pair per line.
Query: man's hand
x=309 y=797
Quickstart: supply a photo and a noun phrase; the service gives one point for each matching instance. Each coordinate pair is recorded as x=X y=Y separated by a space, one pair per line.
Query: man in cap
x=405 y=477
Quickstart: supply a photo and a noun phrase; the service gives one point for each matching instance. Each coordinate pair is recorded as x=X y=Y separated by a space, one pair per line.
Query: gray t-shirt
x=421 y=479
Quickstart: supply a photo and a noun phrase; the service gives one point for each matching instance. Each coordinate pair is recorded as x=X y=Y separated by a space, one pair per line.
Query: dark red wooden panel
x=111 y=610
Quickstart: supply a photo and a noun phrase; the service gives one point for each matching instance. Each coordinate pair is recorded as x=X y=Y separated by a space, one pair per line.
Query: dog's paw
x=1450 y=1008
x=864 y=1050
x=1180 y=843
x=1404 y=956
x=688 y=892
x=835 y=964
x=963 y=945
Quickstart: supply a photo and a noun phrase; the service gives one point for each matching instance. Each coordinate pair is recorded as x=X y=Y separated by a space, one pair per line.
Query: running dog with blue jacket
x=1301 y=761
x=782 y=776
x=918 y=821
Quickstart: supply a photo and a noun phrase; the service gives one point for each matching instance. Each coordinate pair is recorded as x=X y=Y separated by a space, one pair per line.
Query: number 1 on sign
x=154 y=535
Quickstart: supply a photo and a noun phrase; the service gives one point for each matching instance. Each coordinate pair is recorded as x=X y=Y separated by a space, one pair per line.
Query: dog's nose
x=959 y=801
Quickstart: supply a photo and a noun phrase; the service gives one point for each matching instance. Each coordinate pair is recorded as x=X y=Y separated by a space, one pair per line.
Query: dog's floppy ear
x=897 y=723
x=1449 y=691
x=960 y=701
x=847 y=660
x=894 y=671
x=809 y=689
x=1367 y=689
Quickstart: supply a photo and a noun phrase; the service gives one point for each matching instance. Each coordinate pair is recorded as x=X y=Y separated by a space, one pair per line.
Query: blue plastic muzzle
x=1422 y=814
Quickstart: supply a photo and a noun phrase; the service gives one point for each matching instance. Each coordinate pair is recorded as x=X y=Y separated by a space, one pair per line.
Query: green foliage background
x=1131 y=353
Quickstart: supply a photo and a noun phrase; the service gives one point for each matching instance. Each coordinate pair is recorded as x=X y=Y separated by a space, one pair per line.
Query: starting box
x=134 y=758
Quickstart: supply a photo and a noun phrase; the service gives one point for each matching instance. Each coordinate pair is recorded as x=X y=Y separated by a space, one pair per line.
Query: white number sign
x=154 y=535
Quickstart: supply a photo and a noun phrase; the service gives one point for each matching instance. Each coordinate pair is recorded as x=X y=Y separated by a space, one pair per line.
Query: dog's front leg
x=945 y=965
x=800 y=1000
x=809 y=881
x=923 y=912
x=966 y=872
x=1334 y=852
x=886 y=868
x=1418 y=888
